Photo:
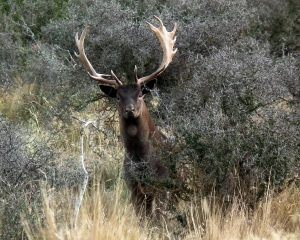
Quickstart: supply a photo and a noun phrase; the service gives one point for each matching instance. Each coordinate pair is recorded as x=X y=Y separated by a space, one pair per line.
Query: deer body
x=141 y=163
x=141 y=138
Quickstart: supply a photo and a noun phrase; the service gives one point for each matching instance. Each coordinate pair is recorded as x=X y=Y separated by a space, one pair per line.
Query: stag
x=140 y=136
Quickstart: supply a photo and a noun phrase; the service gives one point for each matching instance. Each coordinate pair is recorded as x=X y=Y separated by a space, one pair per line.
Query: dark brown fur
x=139 y=134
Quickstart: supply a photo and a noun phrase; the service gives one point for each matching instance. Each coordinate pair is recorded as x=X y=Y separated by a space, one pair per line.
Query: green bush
x=231 y=97
x=240 y=119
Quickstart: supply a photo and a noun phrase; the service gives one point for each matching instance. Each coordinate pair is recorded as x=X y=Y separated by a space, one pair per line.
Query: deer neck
x=139 y=127
x=137 y=133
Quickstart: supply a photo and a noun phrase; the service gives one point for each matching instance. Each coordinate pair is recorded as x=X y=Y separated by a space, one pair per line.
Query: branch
x=86 y=174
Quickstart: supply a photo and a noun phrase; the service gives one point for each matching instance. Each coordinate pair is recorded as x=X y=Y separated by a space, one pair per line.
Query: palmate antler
x=167 y=41
x=115 y=82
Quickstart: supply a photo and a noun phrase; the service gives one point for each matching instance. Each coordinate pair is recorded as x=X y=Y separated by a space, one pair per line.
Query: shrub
x=231 y=97
x=239 y=118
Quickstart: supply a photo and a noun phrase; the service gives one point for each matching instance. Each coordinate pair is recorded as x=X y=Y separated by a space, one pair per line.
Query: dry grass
x=104 y=215
x=15 y=104
x=108 y=214
x=275 y=217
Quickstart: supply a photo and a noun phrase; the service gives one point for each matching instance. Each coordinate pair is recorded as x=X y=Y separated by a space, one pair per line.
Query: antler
x=115 y=82
x=167 y=41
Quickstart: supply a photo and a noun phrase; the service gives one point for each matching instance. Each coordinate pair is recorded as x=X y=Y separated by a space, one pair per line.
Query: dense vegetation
x=229 y=101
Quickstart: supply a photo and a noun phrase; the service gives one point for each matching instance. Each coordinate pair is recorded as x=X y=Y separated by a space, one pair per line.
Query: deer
x=139 y=134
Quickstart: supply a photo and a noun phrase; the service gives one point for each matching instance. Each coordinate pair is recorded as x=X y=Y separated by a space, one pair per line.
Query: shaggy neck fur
x=137 y=133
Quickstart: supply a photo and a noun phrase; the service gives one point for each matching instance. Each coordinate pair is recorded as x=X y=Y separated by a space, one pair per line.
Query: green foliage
x=29 y=17
x=243 y=127
x=280 y=25
x=231 y=96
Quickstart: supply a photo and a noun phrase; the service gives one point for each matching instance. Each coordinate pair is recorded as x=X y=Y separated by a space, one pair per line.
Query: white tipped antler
x=115 y=82
x=167 y=42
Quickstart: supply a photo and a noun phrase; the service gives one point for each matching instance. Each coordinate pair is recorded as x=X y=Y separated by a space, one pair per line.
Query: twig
x=86 y=175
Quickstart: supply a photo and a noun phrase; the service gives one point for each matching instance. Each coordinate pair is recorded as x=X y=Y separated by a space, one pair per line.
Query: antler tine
x=167 y=41
x=135 y=74
x=88 y=66
x=116 y=78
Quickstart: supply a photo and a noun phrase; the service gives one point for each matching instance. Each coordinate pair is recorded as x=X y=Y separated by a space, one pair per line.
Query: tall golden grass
x=108 y=214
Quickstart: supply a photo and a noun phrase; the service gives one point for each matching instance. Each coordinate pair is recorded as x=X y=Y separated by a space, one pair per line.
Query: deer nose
x=129 y=108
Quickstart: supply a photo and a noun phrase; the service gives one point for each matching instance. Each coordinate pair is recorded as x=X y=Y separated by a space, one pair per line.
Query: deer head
x=130 y=97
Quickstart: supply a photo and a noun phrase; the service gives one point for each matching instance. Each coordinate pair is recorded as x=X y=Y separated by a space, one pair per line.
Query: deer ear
x=146 y=88
x=109 y=91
